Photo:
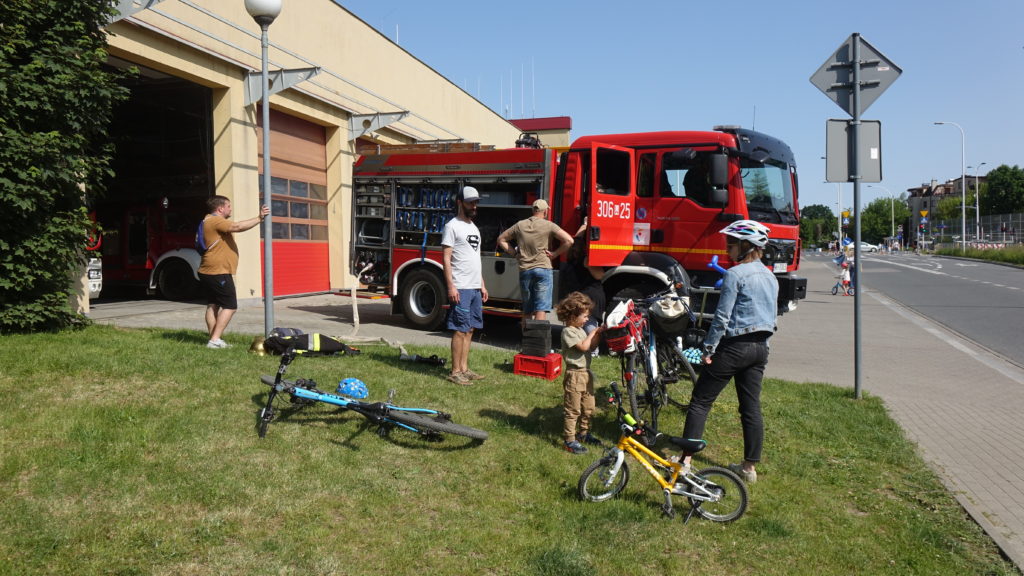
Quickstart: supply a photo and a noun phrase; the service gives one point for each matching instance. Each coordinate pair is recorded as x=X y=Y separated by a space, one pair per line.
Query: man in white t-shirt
x=466 y=291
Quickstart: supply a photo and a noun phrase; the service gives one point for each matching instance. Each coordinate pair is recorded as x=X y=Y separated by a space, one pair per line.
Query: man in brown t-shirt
x=219 y=264
x=533 y=237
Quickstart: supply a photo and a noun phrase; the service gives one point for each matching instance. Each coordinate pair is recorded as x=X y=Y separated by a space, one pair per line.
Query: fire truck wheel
x=423 y=298
x=634 y=292
x=176 y=281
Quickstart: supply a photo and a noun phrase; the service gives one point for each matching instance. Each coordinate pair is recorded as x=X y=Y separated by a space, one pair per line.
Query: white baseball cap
x=539 y=205
x=469 y=194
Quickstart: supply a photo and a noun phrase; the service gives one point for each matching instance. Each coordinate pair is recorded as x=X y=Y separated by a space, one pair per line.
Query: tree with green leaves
x=1004 y=191
x=879 y=218
x=817 y=212
x=56 y=101
x=817 y=225
x=948 y=209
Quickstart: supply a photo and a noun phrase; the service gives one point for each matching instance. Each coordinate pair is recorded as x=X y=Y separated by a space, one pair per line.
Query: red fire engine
x=654 y=203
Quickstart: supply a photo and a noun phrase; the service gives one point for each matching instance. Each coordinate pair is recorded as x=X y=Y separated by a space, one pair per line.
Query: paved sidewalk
x=959 y=403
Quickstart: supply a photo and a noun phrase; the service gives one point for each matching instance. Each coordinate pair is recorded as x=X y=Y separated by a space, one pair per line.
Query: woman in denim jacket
x=737 y=342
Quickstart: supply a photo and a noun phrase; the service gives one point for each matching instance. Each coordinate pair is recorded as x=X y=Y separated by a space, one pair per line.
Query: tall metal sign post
x=854 y=77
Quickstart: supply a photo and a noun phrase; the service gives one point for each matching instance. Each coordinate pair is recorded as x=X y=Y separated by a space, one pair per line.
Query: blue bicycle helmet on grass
x=353 y=388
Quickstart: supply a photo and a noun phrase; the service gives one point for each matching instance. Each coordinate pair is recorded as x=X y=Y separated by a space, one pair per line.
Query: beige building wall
x=215 y=43
x=554 y=138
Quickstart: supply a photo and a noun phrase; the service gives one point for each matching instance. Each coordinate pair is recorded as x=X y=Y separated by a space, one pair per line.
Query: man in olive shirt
x=533 y=237
x=219 y=264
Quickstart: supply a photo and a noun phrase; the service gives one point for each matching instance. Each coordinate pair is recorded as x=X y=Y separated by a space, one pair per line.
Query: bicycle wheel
x=597 y=483
x=691 y=372
x=728 y=498
x=691 y=375
x=835 y=289
x=424 y=423
x=627 y=364
x=648 y=394
x=674 y=368
x=850 y=291
x=266 y=415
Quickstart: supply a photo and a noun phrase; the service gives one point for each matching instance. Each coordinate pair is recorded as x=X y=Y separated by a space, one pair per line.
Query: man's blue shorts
x=535 y=285
x=468 y=314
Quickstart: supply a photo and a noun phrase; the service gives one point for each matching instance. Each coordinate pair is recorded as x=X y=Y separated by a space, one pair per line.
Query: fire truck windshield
x=769 y=190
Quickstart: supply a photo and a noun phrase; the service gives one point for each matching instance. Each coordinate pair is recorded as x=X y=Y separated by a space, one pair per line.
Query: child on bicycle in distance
x=578 y=382
x=844 y=275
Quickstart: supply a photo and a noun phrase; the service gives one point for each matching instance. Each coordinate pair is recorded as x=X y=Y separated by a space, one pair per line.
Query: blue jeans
x=746 y=361
x=535 y=285
x=468 y=314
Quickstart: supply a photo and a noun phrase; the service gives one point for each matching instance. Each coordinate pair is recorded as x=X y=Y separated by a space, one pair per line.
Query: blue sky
x=682 y=65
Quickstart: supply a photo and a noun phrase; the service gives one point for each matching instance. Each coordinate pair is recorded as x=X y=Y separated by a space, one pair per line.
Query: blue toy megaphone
x=714 y=266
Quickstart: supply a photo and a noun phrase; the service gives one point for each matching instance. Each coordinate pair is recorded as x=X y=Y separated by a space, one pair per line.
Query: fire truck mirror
x=719 y=198
x=719 y=176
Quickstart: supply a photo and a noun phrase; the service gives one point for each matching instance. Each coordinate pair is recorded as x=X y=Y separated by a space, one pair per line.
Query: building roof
x=535 y=124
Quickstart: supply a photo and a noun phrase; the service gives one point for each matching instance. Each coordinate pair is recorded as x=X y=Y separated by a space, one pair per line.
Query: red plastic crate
x=546 y=367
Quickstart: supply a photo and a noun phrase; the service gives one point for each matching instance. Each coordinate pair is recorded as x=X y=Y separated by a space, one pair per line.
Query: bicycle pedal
x=668 y=511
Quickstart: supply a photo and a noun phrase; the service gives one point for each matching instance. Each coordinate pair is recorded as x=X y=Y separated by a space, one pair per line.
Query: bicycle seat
x=688 y=445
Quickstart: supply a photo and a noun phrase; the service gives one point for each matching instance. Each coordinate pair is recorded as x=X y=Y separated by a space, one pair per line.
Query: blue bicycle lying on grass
x=430 y=424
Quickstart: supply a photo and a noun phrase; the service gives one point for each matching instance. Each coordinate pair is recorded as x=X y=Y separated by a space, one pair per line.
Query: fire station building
x=193 y=128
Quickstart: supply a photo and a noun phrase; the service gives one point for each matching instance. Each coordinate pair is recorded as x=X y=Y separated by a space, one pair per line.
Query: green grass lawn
x=135 y=452
x=1009 y=255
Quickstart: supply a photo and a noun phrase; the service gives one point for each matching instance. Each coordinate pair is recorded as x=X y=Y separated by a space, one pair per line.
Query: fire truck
x=150 y=243
x=653 y=203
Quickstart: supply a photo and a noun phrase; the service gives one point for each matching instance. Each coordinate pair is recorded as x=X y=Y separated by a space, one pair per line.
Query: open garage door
x=163 y=166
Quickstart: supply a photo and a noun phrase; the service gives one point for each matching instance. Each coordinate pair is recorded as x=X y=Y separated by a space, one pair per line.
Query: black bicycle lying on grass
x=430 y=424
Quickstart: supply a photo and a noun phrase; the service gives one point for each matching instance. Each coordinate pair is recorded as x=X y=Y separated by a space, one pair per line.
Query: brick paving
x=959 y=403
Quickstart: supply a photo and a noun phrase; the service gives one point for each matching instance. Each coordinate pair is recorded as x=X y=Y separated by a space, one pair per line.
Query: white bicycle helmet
x=749 y=230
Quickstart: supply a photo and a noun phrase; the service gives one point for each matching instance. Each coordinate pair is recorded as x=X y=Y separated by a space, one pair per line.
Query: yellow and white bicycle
x=714 y=493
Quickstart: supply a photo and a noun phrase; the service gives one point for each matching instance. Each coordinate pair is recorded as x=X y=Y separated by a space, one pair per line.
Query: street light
x=963 y=184
x=977 y=201
x=892 y=211
x=264 y=12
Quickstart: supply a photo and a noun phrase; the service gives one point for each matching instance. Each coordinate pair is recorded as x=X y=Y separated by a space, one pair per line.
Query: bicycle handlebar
x=669 y=292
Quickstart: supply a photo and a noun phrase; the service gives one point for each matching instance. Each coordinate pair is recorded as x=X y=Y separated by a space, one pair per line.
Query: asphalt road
x=983 y=302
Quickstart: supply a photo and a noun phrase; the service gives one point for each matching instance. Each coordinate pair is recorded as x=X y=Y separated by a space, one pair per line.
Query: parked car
x=865 y=247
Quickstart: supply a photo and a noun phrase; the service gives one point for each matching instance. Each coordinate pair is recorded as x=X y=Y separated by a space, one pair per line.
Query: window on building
x=299 y=209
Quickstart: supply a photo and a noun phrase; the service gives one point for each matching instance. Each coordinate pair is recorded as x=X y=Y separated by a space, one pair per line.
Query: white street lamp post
x=977 y=201
x=839 y=215
x=264 y=12
x=963 y=184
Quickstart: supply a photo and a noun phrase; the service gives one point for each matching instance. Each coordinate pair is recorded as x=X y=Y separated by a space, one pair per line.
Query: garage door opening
x=163 y=174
